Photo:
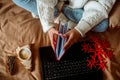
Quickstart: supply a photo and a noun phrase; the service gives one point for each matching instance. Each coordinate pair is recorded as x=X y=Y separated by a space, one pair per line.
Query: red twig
x=100 y=50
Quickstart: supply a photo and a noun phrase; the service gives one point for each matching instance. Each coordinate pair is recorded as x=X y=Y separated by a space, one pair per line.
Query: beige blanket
x=18 y=28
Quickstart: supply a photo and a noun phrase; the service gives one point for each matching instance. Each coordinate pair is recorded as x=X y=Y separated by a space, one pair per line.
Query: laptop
x=72 y=66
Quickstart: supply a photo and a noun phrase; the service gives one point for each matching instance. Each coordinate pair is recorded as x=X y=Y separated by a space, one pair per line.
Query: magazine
x=59 y=51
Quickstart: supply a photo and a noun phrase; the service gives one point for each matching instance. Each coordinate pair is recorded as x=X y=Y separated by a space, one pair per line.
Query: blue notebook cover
x=60 y=42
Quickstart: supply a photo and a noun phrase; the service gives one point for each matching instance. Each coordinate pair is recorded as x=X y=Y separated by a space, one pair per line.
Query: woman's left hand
x=72 y=37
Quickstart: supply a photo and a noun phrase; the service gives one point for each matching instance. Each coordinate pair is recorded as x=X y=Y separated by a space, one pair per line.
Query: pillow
x=114 y=17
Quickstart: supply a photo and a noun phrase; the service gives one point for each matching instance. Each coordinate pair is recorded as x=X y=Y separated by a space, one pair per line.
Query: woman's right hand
x=53 y=33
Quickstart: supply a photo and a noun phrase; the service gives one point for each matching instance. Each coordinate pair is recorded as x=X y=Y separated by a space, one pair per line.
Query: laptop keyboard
x=72 y=66
x=67 y=68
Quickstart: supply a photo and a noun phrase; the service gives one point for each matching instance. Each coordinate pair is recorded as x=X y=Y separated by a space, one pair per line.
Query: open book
x=59 y=51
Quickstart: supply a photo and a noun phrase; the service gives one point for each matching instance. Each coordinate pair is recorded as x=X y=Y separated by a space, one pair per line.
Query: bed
x=19 y=28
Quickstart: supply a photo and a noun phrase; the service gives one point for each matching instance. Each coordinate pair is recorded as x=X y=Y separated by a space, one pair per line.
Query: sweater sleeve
x=46 y=11
x=94 y=13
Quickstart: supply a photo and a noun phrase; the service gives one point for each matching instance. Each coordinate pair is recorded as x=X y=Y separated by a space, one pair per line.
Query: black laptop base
x=72 y=66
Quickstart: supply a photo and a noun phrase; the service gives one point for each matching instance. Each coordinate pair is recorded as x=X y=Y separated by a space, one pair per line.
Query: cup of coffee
x=24 y=53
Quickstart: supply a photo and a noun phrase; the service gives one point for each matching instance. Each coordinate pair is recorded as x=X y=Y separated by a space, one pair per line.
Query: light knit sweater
x=94 y=12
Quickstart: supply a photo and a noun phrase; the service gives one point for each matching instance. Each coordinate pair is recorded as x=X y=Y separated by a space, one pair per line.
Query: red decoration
x=100 y=50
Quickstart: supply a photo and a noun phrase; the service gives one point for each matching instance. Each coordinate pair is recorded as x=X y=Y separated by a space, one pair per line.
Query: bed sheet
x=18 y=28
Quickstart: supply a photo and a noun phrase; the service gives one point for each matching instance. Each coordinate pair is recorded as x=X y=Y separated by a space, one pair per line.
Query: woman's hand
x=72 y=37
x=53 y=33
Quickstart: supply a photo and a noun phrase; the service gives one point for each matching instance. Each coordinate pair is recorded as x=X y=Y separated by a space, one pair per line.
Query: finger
x=113 y=26
x=52 y=42
x=67 y=44
x=57 y=32
x=110 y=26
x=66 y=35
x=55 y=39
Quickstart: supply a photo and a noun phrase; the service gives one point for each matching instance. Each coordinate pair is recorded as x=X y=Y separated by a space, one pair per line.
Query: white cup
x=24 y=53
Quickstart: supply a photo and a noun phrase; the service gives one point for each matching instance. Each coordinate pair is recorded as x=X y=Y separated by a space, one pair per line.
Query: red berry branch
x=100 y=50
